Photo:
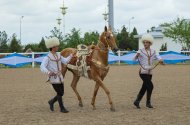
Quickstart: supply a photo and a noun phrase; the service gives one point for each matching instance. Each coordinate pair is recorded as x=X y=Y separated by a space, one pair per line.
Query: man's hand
x=75 y=54
x=51 y=74
x=136 y=57
x=73 y=57
x=161 y=62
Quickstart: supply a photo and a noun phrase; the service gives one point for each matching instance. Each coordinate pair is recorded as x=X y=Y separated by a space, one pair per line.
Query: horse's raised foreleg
x=64 y=70
x=74 y=86
x=94 y=95
x=101 y=84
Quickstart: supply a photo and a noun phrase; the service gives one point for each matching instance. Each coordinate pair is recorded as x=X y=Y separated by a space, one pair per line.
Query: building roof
x=156 y=33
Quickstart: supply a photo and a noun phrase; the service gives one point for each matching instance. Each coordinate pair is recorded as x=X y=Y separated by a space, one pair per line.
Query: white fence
x=122 y=56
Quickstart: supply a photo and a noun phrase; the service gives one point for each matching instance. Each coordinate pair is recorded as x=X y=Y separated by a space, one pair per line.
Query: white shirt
x=52 y=63
x=146 y=59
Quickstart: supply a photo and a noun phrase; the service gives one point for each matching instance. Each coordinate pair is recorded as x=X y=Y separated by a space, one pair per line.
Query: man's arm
x=43 y=66
x=67 y=59
x=159 y=58
x=136 y=56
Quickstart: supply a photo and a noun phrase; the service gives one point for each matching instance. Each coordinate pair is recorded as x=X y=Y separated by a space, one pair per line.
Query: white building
x=160 y=39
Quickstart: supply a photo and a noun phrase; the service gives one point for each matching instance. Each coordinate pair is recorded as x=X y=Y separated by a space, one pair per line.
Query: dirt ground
x=24 y=95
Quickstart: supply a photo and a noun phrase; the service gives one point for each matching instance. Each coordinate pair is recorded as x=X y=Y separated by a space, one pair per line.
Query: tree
x=90 y=37
x=178 y=30
x=15 y=45
x=3 y=42
x=57 y=33
x=133 y=40
x=42 y=46
x=34 y=47
x=163 y=47
x=73 y=39
x=127 y=41
x=122 y=38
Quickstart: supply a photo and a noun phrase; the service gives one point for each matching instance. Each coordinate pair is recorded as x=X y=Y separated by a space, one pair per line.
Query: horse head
x=108 y=39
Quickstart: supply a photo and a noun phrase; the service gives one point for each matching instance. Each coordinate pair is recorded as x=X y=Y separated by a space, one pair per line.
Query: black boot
x=148 y=102
x=51 y=103
x=137 y=101
x=62 y=108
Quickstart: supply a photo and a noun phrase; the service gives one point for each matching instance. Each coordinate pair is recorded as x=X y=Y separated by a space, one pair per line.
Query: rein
x=150 y=68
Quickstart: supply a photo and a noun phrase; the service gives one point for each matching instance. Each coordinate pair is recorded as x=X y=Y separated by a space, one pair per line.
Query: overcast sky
x=40 y=15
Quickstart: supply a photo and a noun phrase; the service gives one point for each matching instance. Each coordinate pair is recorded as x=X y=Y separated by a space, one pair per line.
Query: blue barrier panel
x=18 y=60
x=15 y=60
x=172 y=57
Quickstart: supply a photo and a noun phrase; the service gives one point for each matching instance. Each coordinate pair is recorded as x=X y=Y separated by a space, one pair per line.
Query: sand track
x=24 y=95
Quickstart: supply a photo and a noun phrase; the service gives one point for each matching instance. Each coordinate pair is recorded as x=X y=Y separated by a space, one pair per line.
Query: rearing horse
x=98 y=62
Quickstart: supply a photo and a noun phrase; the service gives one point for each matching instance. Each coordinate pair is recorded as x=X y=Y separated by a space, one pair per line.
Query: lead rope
x=148 y=69
x=51 y=71
x=149 y=56
x=57 y=60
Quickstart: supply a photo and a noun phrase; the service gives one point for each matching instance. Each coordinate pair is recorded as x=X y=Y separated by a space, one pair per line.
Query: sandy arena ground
x=24 y=95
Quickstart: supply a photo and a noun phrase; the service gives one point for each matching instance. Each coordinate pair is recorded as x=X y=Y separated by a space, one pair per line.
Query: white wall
x=171 y=45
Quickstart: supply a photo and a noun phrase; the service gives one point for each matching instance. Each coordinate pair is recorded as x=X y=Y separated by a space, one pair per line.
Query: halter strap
x=100 y=44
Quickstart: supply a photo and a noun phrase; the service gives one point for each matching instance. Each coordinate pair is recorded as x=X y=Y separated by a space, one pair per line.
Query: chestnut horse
x=98 y=62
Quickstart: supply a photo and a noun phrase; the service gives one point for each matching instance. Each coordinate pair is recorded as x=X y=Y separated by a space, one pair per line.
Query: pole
x=21 y=28
x=63 y=9
x=130 y=24
x=111 y=13
x=64 y=25
x=33 y=63
x=119 y=54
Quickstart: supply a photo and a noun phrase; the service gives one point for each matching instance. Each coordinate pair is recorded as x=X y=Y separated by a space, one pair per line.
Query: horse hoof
x=94 y=108
x=112 y=109
x=80 y=104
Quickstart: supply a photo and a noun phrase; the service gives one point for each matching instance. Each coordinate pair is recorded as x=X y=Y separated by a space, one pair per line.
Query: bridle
x=107 y=40
x=103 y=48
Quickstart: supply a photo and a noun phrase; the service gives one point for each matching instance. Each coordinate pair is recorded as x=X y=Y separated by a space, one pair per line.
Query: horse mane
x=92 y=46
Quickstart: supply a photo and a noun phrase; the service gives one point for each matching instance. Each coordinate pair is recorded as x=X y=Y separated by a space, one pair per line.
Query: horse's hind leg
x=94 y=95
x=74 y=86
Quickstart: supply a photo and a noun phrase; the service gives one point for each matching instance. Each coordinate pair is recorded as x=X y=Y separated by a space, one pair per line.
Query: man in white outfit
x=146 y=56
x=51 y=65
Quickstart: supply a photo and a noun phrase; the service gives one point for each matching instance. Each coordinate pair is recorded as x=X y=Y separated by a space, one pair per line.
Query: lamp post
x=21 y=28
x=59 y=22
x=105 y=14
x=63 y=11
x=130 y=22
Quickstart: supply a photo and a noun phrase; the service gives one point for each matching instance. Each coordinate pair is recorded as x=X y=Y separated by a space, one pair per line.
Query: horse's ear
x=105 y=29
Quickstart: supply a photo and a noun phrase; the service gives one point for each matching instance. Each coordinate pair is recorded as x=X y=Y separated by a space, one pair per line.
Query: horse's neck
x=102 y=54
